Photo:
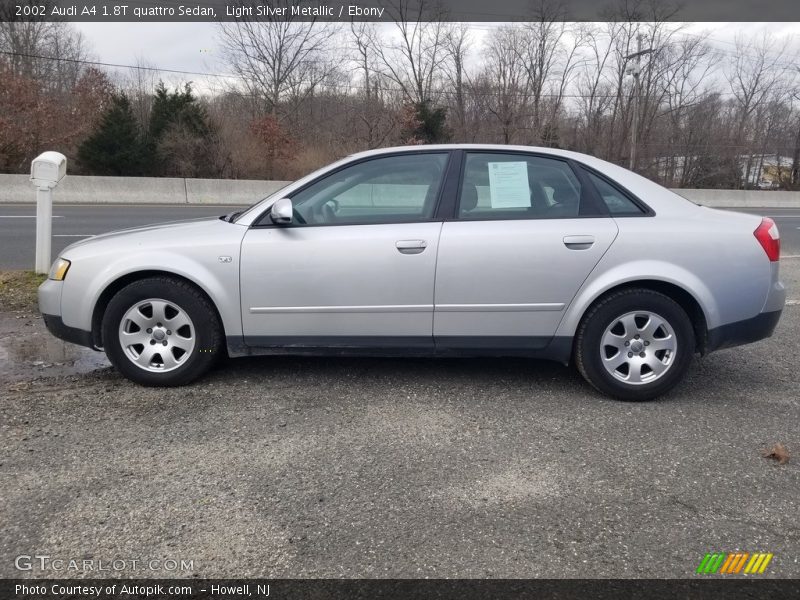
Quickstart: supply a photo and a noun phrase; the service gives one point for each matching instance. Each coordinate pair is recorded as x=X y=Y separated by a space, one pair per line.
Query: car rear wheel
x=161 y=332
x=635 y=344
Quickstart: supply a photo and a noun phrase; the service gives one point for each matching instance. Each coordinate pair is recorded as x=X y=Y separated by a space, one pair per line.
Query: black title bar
x=398 y=10
x=408 y=589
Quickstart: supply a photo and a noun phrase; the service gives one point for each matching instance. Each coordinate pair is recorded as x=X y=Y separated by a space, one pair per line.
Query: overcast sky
x=194 y=46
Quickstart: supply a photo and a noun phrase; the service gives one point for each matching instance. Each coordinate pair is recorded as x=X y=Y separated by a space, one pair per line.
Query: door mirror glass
x=282 y=211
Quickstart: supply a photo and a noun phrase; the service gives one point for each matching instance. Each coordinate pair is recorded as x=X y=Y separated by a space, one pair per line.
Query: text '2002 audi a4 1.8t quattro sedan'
x=433 y=250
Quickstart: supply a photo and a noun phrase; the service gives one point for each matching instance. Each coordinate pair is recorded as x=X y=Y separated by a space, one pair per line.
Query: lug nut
x=640 y=356
x=630 y=354
x=646 y=343
x=158 y=324
x=164 y=343
x=170 y=333
x=636 y=336
x=149 y=330
x=626 y=343
x=152 y=342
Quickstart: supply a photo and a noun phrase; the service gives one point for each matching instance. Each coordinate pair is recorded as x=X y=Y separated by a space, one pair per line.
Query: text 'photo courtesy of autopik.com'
x=371 y=299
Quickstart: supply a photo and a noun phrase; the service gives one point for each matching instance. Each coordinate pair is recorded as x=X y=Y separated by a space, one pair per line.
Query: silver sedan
x=454 y=250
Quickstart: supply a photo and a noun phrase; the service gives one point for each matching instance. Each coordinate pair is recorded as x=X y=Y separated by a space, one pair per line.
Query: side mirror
x=282 y=212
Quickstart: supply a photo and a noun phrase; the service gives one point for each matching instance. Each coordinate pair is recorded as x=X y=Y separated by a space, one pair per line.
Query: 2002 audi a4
x=433 y=250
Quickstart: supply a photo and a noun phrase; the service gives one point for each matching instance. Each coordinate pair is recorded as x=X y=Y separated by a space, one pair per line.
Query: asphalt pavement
x=75 y=222
x=341 y=467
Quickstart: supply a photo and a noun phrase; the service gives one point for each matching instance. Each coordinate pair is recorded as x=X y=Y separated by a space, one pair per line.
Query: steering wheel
x=329 y=211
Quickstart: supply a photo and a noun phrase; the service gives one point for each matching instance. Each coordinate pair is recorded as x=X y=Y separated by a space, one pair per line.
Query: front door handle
x=579 y=242
x=411 y=246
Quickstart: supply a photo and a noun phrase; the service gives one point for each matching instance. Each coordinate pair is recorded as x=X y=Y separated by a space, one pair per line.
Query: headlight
x=59 y=269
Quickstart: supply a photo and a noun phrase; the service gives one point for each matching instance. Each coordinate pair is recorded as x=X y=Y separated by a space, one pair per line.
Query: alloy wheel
x=638 y=347
x=157 y=335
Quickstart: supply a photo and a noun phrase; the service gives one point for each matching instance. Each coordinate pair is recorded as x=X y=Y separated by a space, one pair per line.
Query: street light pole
x=636 y=71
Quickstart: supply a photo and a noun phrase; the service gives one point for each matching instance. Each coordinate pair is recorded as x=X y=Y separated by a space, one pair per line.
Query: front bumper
x=743 y=332
x=73 y=335
x=49 y=295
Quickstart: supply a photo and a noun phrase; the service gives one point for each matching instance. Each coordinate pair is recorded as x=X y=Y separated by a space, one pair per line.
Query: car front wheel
x=161 y=332
x=635 y=344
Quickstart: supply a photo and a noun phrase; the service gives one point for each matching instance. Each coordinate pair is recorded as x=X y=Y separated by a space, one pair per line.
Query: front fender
x=196 y=258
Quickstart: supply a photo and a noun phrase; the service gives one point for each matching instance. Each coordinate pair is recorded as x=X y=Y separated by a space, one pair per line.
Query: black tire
x=205 y=327
x=588 y=343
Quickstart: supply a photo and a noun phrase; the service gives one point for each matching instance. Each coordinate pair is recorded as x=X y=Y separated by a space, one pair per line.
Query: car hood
x=175 y=234
x=178 y=227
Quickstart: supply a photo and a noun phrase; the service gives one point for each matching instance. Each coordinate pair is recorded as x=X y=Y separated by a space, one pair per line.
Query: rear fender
x=629 y=273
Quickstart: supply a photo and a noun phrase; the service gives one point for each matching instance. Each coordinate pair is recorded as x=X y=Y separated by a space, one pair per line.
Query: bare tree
x=594 y=88
x=542 y=52
x=503 y=88
x=756 y=75
x=688 y=66
x=457 y=41
x=273 y=54
x=369 y=109
x=139 y=84
x=414 y=61
x=794 y=176
x=50 y=53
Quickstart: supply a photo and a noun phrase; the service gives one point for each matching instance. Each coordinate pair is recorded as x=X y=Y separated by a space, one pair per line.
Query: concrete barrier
x=81 y=189
x=229 y=191
x=742 y=198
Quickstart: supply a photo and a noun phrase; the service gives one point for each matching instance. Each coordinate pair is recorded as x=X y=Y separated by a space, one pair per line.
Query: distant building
x=767 y=171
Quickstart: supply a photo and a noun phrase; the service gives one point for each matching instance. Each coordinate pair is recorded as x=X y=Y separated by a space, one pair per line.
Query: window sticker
x=508 y=185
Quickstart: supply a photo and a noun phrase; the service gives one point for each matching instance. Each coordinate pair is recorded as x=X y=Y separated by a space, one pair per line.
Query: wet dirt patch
x=28 y=351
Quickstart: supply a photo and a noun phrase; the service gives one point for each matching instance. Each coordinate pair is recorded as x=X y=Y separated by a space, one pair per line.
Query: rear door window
x=520 y=186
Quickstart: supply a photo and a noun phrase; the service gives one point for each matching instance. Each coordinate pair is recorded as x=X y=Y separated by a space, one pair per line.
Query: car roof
x=490 y=147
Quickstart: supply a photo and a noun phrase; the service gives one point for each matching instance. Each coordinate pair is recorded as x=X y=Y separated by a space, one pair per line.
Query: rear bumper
x=743 y=332
x=73 y=335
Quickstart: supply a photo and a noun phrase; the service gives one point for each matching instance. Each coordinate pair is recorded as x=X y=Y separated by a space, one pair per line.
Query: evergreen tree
x=424 y=124
x=178 y=108
x=180 y=141
x=115 y=147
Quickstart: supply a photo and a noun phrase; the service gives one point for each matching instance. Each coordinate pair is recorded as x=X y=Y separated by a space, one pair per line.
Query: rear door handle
x=411 y=246
x=579 y=242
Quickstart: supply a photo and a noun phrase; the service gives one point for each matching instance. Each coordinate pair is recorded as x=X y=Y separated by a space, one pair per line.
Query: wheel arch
x=672 y=280
x=679 y=294
x=120 y=282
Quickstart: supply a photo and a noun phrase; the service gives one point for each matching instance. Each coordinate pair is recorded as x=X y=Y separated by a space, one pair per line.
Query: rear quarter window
x=618 y=202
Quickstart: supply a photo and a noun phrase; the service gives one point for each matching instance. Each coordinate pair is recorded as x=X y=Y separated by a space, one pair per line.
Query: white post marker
x=47 y=170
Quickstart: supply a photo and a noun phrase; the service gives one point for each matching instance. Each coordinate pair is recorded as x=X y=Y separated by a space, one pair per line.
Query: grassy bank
x=18 y=290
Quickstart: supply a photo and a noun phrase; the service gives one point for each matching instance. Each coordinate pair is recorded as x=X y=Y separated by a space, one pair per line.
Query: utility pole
x=636 y=70
x=794 y=174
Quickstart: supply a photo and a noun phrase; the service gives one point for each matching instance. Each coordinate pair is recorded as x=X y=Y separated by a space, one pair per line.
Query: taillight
x=769 y=238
